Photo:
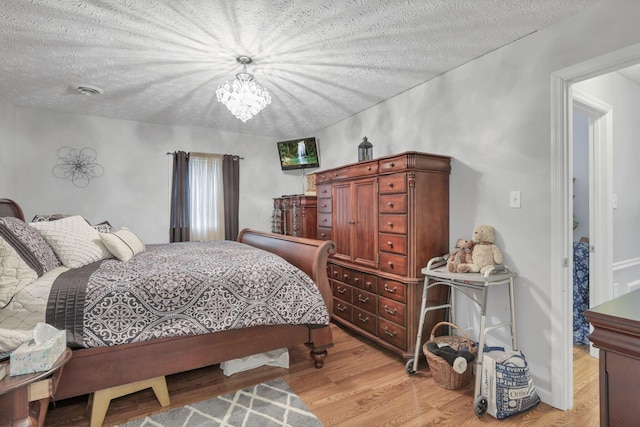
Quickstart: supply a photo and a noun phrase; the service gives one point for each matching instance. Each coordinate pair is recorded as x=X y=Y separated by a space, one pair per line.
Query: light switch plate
x=515 y=199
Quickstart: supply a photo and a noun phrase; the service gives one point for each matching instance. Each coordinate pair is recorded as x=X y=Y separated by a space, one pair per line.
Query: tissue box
x=31 y=357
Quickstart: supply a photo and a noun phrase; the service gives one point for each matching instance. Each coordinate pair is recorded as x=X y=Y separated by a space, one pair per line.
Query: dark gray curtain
x=179 y=230
x=231 y=183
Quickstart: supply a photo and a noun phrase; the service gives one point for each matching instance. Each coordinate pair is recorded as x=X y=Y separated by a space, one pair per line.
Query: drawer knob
x=390 y=184
x=323 y=235
x=324 y=220
x=368 y=168
x=390 y=264
x=390 y=244
x=388 y=289
x=351 y=221
x=345 y=276
x=392 y=164
x=390 y=224
x=392 y=334
x=340 y=308
x=341 y=290
x=356 y=279
x=390 y=204
x=394 y=311
x=363 y=319
x=363 y=299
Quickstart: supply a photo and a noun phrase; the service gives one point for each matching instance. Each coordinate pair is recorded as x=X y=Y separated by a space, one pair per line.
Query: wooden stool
x=101 y=398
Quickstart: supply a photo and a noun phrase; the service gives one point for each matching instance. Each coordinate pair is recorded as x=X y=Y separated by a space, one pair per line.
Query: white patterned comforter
x=187 y=289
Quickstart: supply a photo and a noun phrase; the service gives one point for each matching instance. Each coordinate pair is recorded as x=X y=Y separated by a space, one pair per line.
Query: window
x=206 y=196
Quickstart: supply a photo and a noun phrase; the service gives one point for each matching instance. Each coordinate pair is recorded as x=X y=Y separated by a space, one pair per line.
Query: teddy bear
x=460 y=255
x=484 y=254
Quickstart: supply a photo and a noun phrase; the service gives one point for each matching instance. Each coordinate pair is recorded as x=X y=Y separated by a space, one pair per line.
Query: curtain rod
x=241 y=158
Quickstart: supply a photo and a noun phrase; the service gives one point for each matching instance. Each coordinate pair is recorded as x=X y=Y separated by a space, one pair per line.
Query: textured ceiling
x=321 y=60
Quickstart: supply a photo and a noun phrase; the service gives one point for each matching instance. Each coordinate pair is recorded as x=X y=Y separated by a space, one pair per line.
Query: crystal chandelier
x=243 y=96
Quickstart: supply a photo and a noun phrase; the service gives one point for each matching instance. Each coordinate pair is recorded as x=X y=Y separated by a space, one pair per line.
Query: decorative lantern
x=365 y=150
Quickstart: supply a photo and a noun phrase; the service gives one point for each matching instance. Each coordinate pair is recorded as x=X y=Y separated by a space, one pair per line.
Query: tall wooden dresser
x=388 y=217
x=294 y=215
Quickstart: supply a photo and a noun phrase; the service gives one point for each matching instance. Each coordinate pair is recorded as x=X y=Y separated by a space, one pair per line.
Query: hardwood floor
x=360 y=385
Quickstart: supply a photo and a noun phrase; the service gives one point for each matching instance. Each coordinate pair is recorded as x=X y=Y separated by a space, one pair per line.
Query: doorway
x=561 y=213
x=592 y=172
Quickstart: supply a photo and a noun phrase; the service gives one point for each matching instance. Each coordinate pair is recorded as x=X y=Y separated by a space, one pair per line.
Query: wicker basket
x=442 y=372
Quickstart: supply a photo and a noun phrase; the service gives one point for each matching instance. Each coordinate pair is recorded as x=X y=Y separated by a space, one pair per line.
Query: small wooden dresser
x=616 y=332
x=388 y=217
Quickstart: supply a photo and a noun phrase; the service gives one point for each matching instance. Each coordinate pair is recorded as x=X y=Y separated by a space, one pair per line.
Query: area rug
x=263 y=405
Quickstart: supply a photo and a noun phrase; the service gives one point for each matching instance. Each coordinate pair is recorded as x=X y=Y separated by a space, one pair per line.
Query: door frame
x=600 y=116
x=561 y=258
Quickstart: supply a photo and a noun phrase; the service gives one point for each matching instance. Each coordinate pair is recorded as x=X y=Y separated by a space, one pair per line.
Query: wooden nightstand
x=24 y=399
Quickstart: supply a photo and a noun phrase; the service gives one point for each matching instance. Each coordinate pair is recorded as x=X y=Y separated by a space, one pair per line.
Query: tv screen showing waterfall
x=298 y=154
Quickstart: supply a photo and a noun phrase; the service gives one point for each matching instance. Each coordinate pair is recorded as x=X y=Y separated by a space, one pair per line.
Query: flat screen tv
x=298 y=154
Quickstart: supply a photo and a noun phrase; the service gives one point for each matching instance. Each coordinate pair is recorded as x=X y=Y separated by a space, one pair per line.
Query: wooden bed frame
x=95 y=369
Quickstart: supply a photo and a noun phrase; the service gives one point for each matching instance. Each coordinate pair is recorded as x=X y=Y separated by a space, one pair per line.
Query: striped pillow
x=123 y=244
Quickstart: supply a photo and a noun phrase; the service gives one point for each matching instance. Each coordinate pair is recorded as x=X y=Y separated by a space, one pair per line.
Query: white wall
x=493 y=117
x=134 y=190
x=7 y=149
x=580 y=175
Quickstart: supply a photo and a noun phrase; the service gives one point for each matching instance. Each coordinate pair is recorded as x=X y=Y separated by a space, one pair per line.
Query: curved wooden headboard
x=10 y=208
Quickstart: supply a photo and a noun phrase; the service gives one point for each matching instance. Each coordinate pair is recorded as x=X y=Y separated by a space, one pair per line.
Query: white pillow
x=123 y=244
x=74 y=241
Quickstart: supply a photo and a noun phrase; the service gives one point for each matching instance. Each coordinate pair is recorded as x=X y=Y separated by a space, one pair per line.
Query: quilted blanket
x=182 y=289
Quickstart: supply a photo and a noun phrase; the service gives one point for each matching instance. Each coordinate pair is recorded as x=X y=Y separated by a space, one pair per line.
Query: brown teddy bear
x=484 y=254
x=460 y=255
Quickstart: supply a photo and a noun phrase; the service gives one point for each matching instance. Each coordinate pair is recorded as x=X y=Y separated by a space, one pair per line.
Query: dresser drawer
x=325 y=205
x=365 y=320
x=394 y=243
x=335 y=272
x=324 y=220
x=343 y=292
x=342 y=309
x=392 y=289
x=393 y=263
x=393 y=164
x=346 y=276
x=365 y=300
x=396 y=183
x=392 y=204
x=391 y=310
x=392 y=224
x=353 y=171
x=324 y=233
x=392 y=333
x=370 y=283
x=357 y=279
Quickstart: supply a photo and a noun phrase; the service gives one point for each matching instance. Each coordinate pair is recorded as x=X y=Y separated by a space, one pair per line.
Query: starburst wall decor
x=78 y=165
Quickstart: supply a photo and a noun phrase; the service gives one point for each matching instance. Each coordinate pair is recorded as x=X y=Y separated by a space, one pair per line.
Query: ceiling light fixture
x=243 y=96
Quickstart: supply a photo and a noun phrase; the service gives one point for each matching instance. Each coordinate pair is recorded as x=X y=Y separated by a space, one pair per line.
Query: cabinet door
x=355 y=225
x=342 y=215
x=365 y=230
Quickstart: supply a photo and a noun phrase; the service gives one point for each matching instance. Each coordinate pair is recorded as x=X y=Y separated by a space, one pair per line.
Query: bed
x=111 y=364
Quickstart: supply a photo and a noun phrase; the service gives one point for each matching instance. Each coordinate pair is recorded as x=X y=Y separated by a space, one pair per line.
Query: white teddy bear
x=485 y=254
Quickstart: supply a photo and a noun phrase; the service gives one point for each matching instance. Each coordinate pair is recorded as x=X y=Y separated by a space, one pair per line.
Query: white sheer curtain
x=206 y=196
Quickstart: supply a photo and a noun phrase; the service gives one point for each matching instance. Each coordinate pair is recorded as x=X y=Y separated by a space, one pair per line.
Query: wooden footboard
x=98 y=368
x=308 y=255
